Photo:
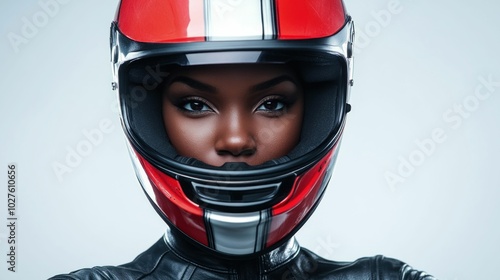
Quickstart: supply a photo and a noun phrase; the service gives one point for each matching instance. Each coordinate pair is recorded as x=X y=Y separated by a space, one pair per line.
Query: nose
x=235 y=138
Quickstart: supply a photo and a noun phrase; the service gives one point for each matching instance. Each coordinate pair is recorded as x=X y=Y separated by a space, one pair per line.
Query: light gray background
x=410 y=69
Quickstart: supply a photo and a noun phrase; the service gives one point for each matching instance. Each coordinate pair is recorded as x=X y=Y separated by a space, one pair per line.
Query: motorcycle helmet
x=235 y=210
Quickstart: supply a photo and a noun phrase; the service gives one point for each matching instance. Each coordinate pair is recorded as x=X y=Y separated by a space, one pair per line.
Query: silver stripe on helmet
x=268 y=19
x=141 y=174
x=239 y=20
x=237 y=233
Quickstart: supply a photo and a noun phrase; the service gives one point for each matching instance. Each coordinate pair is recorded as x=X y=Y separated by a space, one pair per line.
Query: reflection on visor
x=223 y=58
x=311 y=66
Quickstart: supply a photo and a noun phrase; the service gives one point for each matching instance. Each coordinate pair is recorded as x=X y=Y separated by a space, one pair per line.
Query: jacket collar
x=195 y=253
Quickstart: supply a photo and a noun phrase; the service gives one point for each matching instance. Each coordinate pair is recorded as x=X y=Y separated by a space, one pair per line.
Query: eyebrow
x=211 y=89
x=272 y=82
x=194 y=84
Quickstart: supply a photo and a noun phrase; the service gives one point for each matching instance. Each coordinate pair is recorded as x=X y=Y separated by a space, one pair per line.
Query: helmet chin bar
x=237 y=234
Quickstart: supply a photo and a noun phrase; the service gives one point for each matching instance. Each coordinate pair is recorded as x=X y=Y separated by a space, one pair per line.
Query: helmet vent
x=236 y=196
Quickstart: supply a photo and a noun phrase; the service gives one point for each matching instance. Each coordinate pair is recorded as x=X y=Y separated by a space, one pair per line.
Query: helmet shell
x=234 y=210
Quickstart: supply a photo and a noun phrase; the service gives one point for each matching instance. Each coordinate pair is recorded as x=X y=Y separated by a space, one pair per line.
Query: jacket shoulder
x=141 y=266
x=384 y=268
x=367 y=268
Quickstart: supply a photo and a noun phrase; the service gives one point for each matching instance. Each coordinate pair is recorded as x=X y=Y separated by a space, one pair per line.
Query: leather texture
x=172 y=257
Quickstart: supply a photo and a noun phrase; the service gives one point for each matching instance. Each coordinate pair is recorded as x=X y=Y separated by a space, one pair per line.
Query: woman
x=233 y=112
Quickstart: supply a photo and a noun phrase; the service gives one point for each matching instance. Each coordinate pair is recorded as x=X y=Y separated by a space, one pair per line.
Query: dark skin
x=233 y=113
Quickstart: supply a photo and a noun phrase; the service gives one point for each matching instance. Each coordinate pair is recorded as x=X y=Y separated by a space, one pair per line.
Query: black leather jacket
x=174 y=258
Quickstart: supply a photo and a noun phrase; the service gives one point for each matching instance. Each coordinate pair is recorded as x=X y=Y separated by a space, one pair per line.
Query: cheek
x=278 y=136
x=189 y=137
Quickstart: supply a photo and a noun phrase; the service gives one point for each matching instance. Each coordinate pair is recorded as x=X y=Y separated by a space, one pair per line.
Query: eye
x=195 y=106
x=272 y=104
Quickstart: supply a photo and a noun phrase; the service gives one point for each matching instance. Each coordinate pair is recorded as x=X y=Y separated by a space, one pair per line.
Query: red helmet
x=235 y=209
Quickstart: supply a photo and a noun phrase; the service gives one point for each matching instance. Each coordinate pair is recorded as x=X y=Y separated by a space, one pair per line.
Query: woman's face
x=233 y=113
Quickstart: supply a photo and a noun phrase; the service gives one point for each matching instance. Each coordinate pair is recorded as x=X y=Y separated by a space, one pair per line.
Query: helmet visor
x=322 y=75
